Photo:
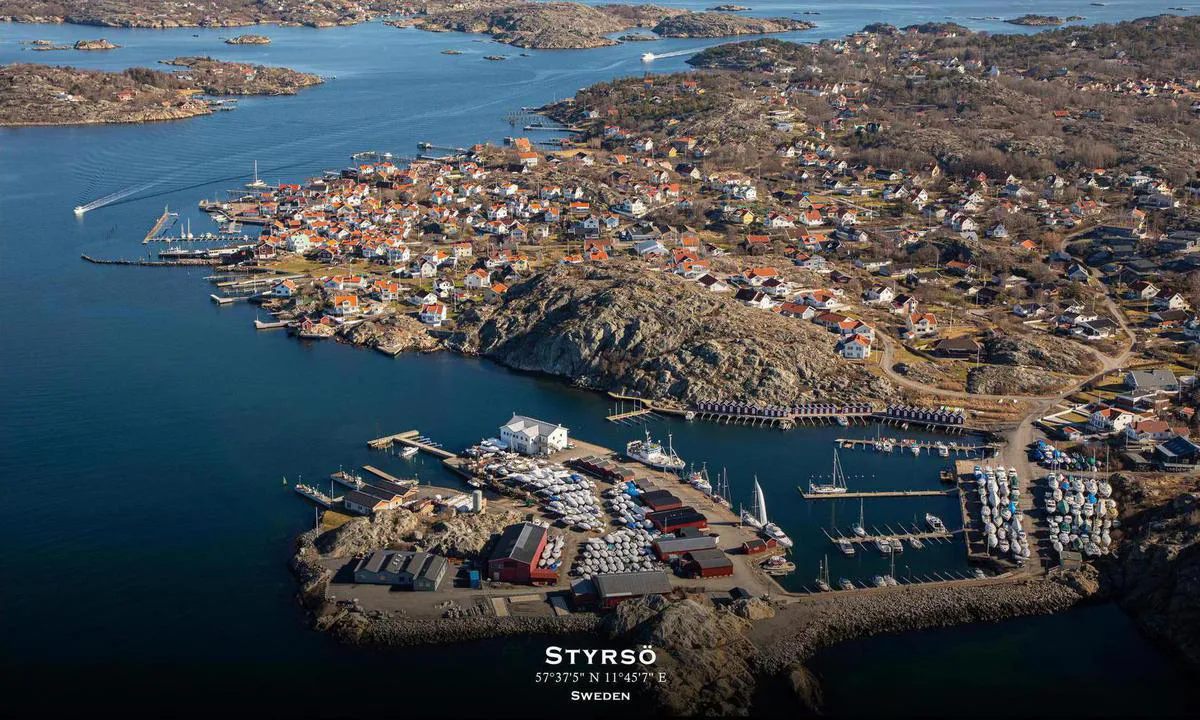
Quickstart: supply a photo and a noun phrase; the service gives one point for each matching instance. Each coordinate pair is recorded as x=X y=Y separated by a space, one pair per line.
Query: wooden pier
x=410 y=439
x=871 y=494
x=620 y=416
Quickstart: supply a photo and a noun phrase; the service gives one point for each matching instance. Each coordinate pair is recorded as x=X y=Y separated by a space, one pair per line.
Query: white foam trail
x=113 y=197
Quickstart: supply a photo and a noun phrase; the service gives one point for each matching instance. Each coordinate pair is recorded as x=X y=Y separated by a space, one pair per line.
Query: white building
x=528 y=436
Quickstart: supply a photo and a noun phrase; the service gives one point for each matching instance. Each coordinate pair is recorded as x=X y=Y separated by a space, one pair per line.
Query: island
x=1043 y=20
x=717 y=24
x=248 y=39
x=33 y=94
x=730 y=8
x=558 y=25
x=215 y=13
x=982 y=235
x=100 y=44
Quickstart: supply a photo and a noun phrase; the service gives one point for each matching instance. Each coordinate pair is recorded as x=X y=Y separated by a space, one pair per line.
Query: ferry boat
x=315 y=495
x=757 y=518
x=837 y=486
x=935 y=523
x=653 y=454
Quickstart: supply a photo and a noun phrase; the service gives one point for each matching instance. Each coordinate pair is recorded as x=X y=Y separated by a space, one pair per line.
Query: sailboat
x=859 y=529
x=837 y=487
x=257 y=182
x=757 y=518
x=823 y=576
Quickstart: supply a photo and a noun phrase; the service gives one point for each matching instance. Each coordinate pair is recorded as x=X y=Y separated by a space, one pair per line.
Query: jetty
x=158 y=225
x=872 y=494
x=153 y=263
x=409 y=438
x=316 y=496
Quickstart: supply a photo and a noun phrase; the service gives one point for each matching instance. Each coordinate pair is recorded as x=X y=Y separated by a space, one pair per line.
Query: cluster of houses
x=1145 y=418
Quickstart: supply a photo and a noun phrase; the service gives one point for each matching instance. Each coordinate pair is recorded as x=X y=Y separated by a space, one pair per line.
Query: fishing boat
x=350 y=480
x=654 y=455
x=838 y=484
x=699 y=480
x=778 y=565
x=757 y=518
x=935 y=523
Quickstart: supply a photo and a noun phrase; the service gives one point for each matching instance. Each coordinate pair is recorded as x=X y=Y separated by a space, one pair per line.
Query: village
x=962 y=290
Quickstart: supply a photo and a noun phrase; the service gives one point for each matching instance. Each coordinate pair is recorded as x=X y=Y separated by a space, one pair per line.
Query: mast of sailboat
x=860 y=512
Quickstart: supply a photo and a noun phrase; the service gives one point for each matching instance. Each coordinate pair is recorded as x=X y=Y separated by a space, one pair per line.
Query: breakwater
x=801 y=629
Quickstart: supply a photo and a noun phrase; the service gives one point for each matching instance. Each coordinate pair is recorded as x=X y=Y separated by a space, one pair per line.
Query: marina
x=871 y=494
x=915 y=447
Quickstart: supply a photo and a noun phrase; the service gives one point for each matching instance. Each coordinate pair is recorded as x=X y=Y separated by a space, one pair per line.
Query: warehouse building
x=529 y=436
x=660 y=500
x=410 y=570
x=669 y=521
x=608 y=591
x=515 y=557
x=685 y=541
x=709 y=563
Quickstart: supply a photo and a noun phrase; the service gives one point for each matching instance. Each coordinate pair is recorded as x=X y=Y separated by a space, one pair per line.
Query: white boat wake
x=113 y=197
x=651 y=57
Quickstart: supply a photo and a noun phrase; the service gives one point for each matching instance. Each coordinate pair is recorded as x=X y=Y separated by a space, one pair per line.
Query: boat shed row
x=670 y=521
x=601 y=468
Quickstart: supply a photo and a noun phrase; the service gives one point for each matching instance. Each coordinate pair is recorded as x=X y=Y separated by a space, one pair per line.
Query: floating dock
x=410 y=438
x=158 y=226
x=930 y=446
x=875 y=535
x=872 y=494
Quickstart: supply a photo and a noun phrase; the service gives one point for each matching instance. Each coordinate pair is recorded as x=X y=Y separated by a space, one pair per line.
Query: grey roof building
x=412 y=570
x=1158 y=379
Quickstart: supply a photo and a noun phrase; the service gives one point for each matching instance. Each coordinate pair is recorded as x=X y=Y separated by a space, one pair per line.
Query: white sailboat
x=837 y=486
x=257 y=182
x=757 y=518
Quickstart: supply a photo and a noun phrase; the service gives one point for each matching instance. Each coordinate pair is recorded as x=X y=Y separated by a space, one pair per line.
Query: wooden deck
x=409 y=438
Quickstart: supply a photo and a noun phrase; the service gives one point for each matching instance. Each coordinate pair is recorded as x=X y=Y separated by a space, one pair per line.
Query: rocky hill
x=216 y=77
x=656 y=335
x=211 y=13
x=720 y=24
x=1156 y=577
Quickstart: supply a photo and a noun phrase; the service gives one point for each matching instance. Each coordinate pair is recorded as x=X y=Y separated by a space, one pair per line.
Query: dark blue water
x=1089 y=662
x=145 y=431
